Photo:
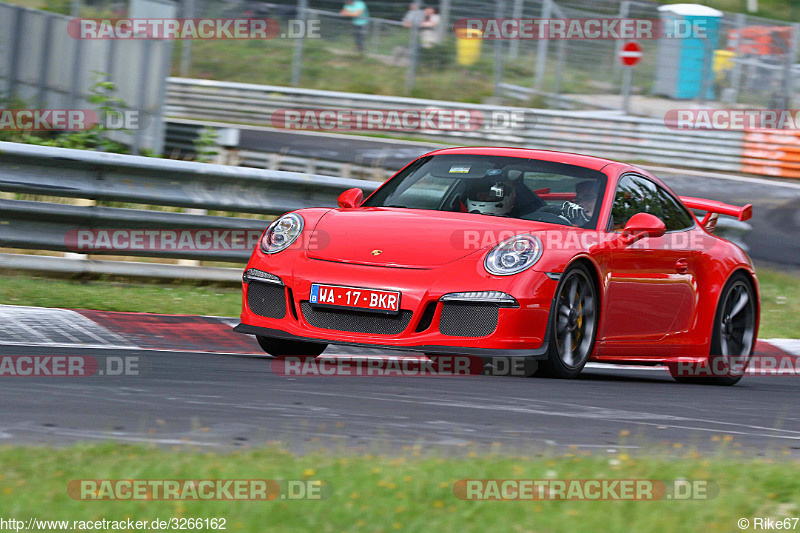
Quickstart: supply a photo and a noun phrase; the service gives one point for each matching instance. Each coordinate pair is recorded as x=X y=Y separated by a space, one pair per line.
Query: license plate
x=355 y=298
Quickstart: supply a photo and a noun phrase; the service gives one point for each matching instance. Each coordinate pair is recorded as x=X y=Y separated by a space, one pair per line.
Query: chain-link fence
x=750 y=61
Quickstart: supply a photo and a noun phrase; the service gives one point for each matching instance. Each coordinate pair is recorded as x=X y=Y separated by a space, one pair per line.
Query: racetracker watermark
x=402 y=119
x=580 y=239
x=738 y=365
x=68 y=366
x=189 y=240
x=377 y=366
x=199 y=489
x=578 y=28
x=733 y=119
x=584 y=489
x=66 y=120
x=171 y=240
x=195 y=28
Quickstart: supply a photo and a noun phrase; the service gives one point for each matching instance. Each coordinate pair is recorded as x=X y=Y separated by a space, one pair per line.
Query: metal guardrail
x=604 y=133
x=128 y=269
x=68 y=173
x=65 y=173
x=49 y=226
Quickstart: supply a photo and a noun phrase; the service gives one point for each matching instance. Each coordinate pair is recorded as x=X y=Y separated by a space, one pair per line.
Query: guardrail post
x=73 y=255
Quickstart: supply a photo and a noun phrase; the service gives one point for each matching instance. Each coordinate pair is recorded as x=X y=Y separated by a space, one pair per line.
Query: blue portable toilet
x=685 y=61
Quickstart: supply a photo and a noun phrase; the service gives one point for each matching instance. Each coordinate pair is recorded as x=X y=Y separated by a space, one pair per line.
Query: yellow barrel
x=468 y=46
x=723 y=62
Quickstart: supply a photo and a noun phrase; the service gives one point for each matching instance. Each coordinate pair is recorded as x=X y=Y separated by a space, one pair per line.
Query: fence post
x=16 y=46
x=375 y=34
x=297 y=58
x=541 y=48
x=736 y=75
x=624 y=11
x=705 y=74
x=186 y=44
x=499 y=9
x=444 y=19
x=562 y=52
x=413 y=48
x=788 y=71
x=142 y=103
x=44 y=62
x=513 y=46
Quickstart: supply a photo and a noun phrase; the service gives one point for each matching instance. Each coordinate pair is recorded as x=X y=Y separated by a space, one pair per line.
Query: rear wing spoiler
x=714 y=208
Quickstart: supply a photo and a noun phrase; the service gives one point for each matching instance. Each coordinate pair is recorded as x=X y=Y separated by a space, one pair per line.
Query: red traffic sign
x=630 y=54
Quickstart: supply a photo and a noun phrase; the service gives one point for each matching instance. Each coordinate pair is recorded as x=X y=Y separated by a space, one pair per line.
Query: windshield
x=485 y=185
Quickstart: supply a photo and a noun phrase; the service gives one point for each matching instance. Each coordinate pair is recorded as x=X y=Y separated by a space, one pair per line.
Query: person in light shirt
x=357 y=10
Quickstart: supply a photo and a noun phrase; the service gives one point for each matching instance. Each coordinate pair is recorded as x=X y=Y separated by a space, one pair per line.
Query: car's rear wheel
x=573 y=326
x=733 y=337
x=277 y=347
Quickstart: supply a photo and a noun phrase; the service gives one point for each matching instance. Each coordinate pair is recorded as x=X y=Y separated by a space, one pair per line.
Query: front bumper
x=425 y=324
x=537 y=353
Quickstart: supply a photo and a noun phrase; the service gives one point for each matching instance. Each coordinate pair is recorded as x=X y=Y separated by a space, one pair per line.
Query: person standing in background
x=357 y=10
x=429 y=28
x=414 y=15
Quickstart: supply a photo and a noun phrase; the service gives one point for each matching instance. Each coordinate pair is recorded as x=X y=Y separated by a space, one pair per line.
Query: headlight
x=513 y=255
x=282 y=233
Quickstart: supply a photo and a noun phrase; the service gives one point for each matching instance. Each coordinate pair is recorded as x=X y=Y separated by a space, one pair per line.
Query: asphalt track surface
x=776 y=220
x=228 y=401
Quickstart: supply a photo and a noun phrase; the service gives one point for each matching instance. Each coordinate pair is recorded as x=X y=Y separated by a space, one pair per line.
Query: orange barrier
x=771 y=153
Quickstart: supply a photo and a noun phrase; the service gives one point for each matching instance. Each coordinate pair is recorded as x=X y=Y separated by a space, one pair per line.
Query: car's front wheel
x=278 y=347
x=573 y=326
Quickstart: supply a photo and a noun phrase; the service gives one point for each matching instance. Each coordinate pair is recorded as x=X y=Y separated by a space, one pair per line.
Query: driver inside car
x=497 y=199
x=580 y=212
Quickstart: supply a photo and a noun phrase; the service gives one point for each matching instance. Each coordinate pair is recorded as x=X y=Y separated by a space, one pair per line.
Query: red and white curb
x=67 y=328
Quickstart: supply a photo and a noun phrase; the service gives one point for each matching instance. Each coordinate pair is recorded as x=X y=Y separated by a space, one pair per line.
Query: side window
x=639 y=195
x=634 y=195
x=673 y=214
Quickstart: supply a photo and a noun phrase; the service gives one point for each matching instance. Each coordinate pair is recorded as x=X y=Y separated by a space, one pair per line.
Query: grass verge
x=780 y=298
x=106 y=295
x=404 y=492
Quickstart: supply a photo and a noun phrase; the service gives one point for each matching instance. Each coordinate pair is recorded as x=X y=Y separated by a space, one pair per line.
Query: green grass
x=142 y=297
x=780 y=304
x=780 y=298
x=408 y=491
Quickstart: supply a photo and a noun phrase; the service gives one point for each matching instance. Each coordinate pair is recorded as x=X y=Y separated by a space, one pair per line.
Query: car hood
x=409 y=238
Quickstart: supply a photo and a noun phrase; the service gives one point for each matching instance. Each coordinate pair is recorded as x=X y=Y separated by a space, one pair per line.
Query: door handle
x=682 y=266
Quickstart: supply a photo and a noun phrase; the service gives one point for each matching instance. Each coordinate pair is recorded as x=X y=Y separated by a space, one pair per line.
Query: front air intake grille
x=356 y=321
x=266 y=299
x=468 y=319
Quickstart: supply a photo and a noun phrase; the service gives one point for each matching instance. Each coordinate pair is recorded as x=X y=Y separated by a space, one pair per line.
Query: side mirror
x=642 y=225
x=351 y=198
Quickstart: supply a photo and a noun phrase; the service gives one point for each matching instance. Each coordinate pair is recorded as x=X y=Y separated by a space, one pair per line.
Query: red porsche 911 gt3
x=506 y=252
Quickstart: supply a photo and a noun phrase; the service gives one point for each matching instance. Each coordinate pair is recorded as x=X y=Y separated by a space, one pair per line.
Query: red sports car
x=506 y=252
